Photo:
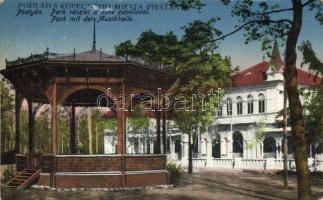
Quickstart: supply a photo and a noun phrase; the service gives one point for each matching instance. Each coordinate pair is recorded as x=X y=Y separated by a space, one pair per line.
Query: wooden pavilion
x=77 y=80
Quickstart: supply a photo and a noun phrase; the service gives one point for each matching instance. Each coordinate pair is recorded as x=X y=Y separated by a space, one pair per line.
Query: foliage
x=310 y=59
x=313 y=103
x=198 y=68
x=264 y=21
x=314 y=117
x=8 y=173
x=174 y=173
x=24 y=131
x=43 y=131
x=99 y=124
x=7 y=110
x=138 y=121
x=125 y=49
x=200 y=73
x=199 y=76
x=198 y=34
x=63 y=130
x=151 y=48
x=259 y=20
x=259 y=134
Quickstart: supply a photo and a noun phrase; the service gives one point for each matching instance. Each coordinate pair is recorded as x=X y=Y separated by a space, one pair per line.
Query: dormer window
x=248 y=73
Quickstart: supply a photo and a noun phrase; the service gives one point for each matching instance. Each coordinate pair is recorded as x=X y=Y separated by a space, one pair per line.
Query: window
x=261 y=103
x=229 y=106
x=220 y=111
x=250 y=104
x=239 y=106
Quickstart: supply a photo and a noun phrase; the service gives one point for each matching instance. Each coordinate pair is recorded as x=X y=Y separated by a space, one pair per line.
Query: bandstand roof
x=32 y=76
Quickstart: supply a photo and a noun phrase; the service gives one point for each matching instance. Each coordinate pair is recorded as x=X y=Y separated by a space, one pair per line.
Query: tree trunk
x=190 y=157
x=285 y=146
x=72 y=131
x=158 y=151
x=96 y=139
x=296 y=110
x=3 y=133
x=89 y=126
x=164 y=132
x=31 y=126
x=17 y=120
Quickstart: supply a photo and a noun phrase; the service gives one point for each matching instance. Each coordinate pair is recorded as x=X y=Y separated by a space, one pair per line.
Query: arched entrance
x=178 y=149
x=237 y=145
x=216 y=146
x=269 y=147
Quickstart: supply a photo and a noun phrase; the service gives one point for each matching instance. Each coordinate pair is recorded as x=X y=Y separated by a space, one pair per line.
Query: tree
x=199 y=71
x=6 y=112
x=196 y=78
x=198 y=68
x=24 y=130
x=151 y=48
x=261 y=21
x=125 y=49
x=313 y=104
x=63 y=128
x=42 y=131
x=99 y=125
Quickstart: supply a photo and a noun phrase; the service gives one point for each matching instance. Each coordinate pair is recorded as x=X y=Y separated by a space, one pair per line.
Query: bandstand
x=78 y=80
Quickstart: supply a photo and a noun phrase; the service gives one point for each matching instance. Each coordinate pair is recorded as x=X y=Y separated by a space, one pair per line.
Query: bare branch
x=277 y=11
x=236 y=30
x=308 y=2
x=280 y=21
x=251 y=22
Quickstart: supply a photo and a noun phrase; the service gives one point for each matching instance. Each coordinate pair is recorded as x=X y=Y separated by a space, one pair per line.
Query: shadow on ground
x=201 y=185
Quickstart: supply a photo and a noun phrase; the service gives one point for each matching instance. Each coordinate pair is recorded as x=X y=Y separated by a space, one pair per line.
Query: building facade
x=247 y=131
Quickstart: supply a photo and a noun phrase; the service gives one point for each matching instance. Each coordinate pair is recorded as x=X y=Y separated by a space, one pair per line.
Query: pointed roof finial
x=275 y=59
x=94 y=42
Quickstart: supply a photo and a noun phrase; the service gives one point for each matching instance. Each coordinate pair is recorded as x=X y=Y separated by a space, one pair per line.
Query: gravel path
x=221 y=185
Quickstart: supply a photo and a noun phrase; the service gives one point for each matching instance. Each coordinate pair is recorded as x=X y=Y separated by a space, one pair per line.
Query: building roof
x=92 y=55
x=257 y=74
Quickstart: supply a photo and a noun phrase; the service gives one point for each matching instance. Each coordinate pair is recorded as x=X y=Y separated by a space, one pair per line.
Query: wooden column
x=157 y=148
x=53 y=118
x=17 y=120
x=121 y=129
x=164 y=132
x=72 y=131
x=31 y=125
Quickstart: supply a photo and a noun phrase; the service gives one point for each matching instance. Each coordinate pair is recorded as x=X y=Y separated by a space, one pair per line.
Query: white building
x=245 y=132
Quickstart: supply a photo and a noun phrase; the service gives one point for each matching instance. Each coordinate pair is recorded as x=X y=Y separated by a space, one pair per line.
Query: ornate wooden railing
x=49 y=56
x=30 y=161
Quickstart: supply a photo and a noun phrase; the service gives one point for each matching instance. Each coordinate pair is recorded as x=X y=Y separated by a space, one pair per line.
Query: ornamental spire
x=94 y=42
x=275 y=59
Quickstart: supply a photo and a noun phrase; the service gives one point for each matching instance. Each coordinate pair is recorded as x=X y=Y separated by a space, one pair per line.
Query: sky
x=21 y=36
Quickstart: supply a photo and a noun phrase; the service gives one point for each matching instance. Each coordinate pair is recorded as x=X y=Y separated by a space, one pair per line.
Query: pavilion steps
x=25 y=178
